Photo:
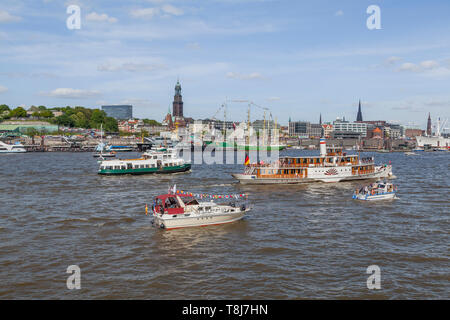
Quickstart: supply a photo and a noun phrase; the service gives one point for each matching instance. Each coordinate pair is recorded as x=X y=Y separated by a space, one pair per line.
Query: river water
x=299 y=241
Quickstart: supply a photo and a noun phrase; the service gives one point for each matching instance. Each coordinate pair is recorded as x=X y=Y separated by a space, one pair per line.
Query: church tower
x=359 y=115
x=429 y=133
x=178 y=102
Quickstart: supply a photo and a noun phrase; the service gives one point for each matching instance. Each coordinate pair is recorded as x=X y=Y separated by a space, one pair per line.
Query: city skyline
x=287 y=56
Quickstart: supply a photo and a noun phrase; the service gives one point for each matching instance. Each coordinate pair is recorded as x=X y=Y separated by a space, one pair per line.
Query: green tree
x=31 y=132
x=97 y=118
x=65 y=121
x=18 y=112
x=151 y=122
x=42 y=108
x=3 y=108
x=46 y=114
x=111 y=125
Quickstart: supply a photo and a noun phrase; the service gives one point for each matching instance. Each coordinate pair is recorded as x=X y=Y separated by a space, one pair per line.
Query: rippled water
x=302 y=241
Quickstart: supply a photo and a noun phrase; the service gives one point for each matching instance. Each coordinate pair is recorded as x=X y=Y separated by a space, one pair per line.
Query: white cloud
x=273 y=99
x=193 y=45
x=130 y=67
x=408 y=66
x=95 y=17
x=69 y=93
x=3 y=89
x=392 y=60
x=172 y=10
x=146 y=13
x=429 y=64
x=6 y=17
x=249 y=76
x=339 y=13
x=428 y=68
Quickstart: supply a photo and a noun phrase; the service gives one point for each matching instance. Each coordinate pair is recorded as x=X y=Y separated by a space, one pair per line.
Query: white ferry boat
x=379 y=190
x=151 y=162
x=331 y=166
x=12 y=148
x=173 y=211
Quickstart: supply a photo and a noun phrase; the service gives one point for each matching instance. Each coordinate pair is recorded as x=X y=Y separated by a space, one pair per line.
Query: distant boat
x=121 y=148
x=408 y=153
x=103 y=150
x=12 y=148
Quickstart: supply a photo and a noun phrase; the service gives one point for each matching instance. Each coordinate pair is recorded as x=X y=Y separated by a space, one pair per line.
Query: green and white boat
x=151 y=162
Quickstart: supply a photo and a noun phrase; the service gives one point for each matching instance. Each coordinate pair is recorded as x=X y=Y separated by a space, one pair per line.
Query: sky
x=296 y=58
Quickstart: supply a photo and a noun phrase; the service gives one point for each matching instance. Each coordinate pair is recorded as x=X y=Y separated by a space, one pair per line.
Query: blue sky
x=298 y=58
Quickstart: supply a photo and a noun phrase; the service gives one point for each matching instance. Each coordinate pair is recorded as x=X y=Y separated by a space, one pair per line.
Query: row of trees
x=77 y=117
x=80 y=117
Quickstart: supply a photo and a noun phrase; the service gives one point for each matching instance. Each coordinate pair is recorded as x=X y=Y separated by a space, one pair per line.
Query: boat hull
x=197 y=221
x=381 y=172
x=140 y=171
x=375 y=197
x=15 y=151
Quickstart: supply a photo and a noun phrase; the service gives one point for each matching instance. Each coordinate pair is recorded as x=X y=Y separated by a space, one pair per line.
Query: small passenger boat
x=182 y=210
x=379 y=190
x=151 y=162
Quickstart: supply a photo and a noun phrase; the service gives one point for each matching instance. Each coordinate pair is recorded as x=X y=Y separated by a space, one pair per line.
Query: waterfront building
x=412 y=133
x=345 y=126
x=327 y=129
x=315 y=130
x=119 y=112
x=299 y=128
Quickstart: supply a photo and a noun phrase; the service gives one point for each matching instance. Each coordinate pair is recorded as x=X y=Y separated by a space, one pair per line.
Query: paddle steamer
x=332 y=165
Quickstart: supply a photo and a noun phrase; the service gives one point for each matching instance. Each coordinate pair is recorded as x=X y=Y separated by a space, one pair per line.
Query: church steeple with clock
x=178 y=102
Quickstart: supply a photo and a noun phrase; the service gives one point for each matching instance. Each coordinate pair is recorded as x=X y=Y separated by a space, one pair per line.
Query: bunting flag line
x=212 y=196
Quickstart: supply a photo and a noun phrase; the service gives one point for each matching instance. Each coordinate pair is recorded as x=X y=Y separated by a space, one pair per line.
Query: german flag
x=247 y=160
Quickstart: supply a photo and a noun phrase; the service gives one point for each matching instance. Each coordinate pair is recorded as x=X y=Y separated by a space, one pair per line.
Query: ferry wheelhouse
x=331 y=166
x=151 y=162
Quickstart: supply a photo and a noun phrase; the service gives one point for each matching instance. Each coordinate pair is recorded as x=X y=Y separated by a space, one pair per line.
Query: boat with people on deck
x=166 y=161
x=332 y=165
x=380 y=190
x=179 y=209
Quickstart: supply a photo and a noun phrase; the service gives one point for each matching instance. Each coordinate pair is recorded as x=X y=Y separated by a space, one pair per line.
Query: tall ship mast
x=332 y=165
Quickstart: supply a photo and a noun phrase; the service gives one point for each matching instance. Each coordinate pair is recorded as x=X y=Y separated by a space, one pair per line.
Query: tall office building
x=119 y=112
